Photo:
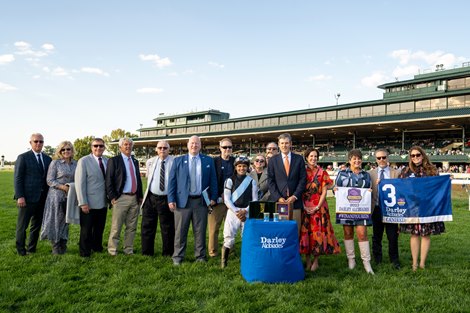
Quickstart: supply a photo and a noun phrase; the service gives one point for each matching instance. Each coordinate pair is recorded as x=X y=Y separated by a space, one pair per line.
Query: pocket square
x=208 y=166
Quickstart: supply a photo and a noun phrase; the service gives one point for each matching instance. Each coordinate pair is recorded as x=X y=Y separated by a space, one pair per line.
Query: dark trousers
x=31 y=213
x=157 y=207
x=392 y=236
x=91 y=231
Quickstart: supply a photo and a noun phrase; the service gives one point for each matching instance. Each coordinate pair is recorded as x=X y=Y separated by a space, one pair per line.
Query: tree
x=82 y=146
x=48 y=150
x=111 y=141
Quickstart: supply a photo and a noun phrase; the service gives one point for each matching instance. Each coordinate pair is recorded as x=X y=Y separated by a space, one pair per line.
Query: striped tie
x=162 y=176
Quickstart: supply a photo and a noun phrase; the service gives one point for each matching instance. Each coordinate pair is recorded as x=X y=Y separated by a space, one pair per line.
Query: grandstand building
x=431 y=110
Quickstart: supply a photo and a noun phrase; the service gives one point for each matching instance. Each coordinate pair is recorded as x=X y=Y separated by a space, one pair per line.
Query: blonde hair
x=62 y=145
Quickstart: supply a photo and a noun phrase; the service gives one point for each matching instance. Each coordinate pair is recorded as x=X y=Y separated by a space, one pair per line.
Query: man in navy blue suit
x=286 y=177
x=30 y=193
x=190 y=176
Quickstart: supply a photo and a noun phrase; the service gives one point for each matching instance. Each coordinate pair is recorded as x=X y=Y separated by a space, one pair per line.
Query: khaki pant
x=214 y=222
x=125 y=211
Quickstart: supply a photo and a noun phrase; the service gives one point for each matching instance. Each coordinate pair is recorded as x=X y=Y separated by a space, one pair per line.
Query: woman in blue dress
x=355 y=176
x=61 y=172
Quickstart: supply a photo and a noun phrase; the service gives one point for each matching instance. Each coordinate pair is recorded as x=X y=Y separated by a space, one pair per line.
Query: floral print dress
x=317 y=235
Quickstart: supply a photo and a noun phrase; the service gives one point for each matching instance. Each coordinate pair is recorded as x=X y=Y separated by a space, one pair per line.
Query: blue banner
x=415 y=200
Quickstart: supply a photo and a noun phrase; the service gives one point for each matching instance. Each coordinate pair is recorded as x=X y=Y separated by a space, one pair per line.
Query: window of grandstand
x=331 y=115
x=378 y=110
x=459 y=101
x=438 y=104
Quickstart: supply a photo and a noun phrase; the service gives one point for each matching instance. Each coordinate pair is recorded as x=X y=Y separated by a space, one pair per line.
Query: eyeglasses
x=382 y=158
x=162 y=148
x=259 y=160
x=270 y=148
x=417 y=155
x=226 y=147
x=98 y=146
x=65 y=149
x=38 y=141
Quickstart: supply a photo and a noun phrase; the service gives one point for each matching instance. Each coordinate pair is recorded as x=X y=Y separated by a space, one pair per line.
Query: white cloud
x=158 y=61
x=94 y=70
x=46 y=69
x=409 y=70
x=48 y=46
x=150 y=90
x=173 y=74
x=6 y=58
x=321 y=77
x=406 y=57
x=374 y=79
x=59 y=71
x=6 y=88
x=25 y=48
x=217 y=65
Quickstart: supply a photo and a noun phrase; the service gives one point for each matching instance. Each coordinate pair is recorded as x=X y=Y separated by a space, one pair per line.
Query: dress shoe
x=201 y=260
x=396 y=265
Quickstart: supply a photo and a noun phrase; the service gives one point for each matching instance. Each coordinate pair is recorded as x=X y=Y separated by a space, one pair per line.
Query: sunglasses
x=417 y=155
x=98 y=146
x=65 y=149
x=226 y=147
x=382 y=158
x=259 y=160
x=162 y=148
x=38 y=141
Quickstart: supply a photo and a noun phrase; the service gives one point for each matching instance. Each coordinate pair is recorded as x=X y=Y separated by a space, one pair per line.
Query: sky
x=70 y=69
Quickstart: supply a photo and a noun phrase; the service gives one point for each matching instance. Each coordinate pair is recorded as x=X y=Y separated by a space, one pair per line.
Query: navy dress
x=348 y=178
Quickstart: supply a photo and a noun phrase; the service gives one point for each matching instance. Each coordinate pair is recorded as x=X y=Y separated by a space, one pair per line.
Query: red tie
x=133 y=181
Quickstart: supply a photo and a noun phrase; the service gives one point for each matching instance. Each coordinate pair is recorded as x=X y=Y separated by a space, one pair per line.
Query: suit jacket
x=374 y=174
x=90 y=184
x=280 y=184
x=152 y=163
x=179 y=182
x=116 y=177
x=30 y=180
x=220 y=174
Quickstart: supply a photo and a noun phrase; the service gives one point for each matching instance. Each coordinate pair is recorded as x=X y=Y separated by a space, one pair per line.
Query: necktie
x=193 y=176
x=286 y=165
x=41 y=165
x=382 y=174
x=133 y=180
x=162 y=176
x=100 y=161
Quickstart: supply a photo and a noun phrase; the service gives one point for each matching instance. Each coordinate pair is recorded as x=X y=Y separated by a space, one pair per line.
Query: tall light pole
x=337 y=95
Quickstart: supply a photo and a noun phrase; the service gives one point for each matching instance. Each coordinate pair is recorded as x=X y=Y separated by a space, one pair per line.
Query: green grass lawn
x=46 y=283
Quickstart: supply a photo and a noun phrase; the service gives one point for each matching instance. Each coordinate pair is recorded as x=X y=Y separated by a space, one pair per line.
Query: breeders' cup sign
x=415 y=200
x=353 y=203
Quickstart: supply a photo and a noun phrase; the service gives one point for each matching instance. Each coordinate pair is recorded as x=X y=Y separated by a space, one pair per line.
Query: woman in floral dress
x=317 y=236
x=61 y=172
x=420 y=166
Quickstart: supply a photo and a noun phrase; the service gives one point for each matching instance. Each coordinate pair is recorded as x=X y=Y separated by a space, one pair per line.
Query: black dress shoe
x=396 y=265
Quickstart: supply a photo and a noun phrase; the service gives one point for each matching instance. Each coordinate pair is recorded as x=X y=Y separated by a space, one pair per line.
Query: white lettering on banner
x=272 y=243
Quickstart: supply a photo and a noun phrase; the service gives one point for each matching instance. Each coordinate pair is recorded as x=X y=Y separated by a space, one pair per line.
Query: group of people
x=206 y=192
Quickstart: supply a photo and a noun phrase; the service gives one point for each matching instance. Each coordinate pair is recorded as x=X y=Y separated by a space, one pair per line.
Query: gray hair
x=121 y=141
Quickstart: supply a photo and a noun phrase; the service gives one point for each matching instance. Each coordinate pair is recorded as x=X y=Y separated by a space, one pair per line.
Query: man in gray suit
x=91 y=194
x=30 y=193
x=190 y=176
